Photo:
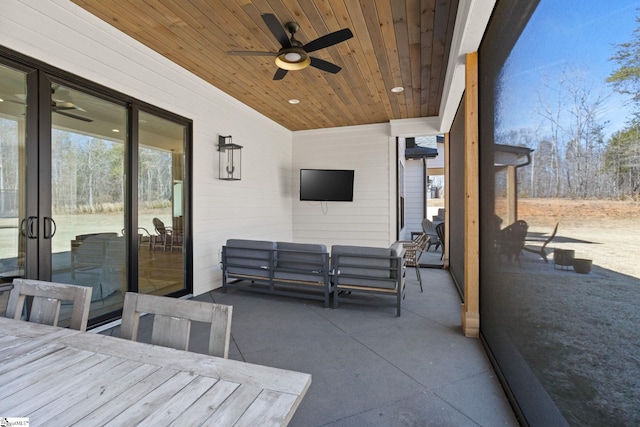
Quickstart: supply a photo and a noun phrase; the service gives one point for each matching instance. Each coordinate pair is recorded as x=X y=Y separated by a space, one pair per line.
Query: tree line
x=88 y=175
x=571 y=155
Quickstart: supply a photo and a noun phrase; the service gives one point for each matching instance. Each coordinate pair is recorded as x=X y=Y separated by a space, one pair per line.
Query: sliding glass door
x=13 y=133
x=93 y=188
x=161 y=160
x=88 y=136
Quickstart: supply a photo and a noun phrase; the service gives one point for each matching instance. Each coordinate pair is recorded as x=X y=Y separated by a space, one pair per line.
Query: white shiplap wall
x=414 y=197
x=63 y=35
x=370 y=219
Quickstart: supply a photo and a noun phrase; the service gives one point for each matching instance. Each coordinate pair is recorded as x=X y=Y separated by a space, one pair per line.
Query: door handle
x=52 y=227
x=32 y=232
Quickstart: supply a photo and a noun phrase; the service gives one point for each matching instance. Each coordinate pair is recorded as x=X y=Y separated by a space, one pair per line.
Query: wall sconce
x=230 y=166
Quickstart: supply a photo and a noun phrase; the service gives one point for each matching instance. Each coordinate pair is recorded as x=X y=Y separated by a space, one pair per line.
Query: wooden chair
x=162 y=238
x=47 y=298
x=510 y=241
x=413 y=251
x=541 y=250
x=172 y=321
x=5 y=289
x=440 y=233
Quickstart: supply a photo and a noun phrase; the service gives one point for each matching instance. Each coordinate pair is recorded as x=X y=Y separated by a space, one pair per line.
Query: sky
x=577 y=37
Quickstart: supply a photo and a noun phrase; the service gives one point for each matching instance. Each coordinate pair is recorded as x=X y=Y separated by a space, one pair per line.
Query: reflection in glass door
x=13 y=243
x=71 y=197
x=161 y=159
x=88 y=137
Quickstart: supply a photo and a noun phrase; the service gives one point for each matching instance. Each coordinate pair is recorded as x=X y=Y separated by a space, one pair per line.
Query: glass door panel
x=88 y=195
x=161 y=155
x=13 y=243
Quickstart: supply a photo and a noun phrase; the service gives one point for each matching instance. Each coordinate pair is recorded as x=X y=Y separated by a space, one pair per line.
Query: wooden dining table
x=61 y=377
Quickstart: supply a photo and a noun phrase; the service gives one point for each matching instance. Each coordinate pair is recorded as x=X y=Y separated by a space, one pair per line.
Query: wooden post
x=471 y=306
x=512 y=195
x=447 y=180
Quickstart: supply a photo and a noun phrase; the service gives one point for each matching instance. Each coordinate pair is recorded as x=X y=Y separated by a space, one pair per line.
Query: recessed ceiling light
x=115 y=130
x=397 y=89
x=294 y=101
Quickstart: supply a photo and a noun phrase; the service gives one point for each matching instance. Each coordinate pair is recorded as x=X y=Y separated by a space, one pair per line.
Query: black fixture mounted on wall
x=230 y=165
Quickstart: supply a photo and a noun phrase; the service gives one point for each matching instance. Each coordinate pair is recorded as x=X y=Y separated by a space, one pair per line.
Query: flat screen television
x=326 y=185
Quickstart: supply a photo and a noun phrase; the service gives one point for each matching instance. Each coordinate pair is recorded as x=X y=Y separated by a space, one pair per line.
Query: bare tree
x=573 y=113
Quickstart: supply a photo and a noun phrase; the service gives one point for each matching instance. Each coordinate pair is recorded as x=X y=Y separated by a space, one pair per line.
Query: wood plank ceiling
x=402 y=43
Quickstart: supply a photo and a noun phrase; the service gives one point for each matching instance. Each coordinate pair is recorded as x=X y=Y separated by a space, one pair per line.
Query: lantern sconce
x=230 y=165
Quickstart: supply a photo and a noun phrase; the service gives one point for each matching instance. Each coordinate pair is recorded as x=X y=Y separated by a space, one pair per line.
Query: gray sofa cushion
x=249 y=257
x=300 y=256
x=341 y=254
x=301 y=261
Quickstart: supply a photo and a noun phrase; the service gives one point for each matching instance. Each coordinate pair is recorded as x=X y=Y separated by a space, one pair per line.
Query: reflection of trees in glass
x=572 y=157
x=154 y=178
x=87 y=175
x=9 y=153
x=622 y=157
x=8 y=167
x=626 y=78
x=622 y=161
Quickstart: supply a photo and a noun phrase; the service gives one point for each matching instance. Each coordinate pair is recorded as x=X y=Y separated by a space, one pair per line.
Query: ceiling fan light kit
x=293 y=55
x=293 y=59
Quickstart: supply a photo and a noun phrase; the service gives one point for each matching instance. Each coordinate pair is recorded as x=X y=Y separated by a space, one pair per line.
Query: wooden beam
x=447 y=198
x=512 y=194
x=471 y=306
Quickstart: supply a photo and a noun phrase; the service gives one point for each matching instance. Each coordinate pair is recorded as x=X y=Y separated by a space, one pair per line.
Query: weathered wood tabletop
x=60 y=377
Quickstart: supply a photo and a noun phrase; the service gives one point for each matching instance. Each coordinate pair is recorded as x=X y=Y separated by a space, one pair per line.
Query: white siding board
x=65 y=36
x=265 y=204
x=414 y=196
x=366 y=220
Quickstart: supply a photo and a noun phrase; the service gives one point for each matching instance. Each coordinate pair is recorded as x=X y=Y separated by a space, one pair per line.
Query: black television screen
x=327 y=185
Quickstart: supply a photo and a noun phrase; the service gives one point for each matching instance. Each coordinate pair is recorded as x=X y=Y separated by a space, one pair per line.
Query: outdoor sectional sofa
x=368 y=270
x=281 y=268
x=309 y=271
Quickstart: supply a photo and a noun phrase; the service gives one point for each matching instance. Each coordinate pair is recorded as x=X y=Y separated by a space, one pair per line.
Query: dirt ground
x=606 y=231
x=579 y=332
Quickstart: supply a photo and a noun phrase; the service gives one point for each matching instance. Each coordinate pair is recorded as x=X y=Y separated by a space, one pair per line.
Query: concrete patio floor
x=369 y=367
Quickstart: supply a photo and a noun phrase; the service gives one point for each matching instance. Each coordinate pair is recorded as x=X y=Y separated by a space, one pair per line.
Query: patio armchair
x=510 y=240
x=367 y=270
x=164 y=237
x=429 y=228
x=413 y=251
x=542 y=249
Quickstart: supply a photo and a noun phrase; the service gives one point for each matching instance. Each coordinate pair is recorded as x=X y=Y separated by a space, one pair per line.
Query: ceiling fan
x=63 y=104
x=293 y=55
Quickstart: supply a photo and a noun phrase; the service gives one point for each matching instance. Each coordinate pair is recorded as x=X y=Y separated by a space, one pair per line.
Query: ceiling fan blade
x=73 y=116
x=276 y=29
x=13 y=102
x=58 y=107
x=280 y=73
x=251 y=53
x=328 y=40
x=324 y=65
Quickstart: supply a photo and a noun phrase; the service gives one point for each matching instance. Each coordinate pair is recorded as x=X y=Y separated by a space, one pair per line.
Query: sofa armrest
x=368 y=266
x=248 y=258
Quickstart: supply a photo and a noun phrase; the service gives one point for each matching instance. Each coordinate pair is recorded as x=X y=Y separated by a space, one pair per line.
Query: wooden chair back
x=172 y=321
x=47 y=299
